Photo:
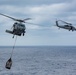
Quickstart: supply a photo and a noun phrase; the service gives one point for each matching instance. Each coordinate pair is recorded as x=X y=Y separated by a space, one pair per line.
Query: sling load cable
x=9 y=62
x=13 y=47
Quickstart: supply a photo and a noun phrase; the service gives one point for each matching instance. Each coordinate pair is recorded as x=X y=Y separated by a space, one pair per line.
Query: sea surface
x=39 y=60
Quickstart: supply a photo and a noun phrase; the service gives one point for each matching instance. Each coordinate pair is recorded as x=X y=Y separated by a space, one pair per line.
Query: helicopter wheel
x=23 y=34
x=13 y=36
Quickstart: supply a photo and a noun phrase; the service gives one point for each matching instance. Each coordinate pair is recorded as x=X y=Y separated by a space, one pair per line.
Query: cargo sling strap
x=9 y=62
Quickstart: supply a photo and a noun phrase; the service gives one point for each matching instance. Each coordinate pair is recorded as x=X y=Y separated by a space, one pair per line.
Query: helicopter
x=67 y=26
x=18 y=27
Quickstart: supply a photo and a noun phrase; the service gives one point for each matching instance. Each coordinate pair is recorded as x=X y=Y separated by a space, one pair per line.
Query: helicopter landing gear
x=23 y=34
x=13 y=36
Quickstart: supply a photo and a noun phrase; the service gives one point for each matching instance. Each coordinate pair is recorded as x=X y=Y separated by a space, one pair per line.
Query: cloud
x=31 y=2
x=43 y=13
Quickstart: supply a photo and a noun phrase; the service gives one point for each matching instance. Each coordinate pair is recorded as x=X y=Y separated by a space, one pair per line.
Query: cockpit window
x=22 y=25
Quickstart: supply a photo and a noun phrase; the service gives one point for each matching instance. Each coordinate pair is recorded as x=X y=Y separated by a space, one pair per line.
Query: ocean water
x=39 y=60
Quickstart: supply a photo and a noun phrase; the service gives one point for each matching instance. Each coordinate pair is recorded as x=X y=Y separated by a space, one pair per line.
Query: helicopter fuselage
x=68 y=27
x=18 y=29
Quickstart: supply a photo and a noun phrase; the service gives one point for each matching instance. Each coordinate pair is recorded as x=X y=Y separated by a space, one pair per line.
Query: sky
x=44 y=13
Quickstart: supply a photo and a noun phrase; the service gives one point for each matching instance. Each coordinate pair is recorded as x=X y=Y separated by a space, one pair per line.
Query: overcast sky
x=44 y=13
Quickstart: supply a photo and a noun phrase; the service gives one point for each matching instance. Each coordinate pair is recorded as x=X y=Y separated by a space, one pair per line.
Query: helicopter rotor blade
x=24 y=20
x=27 y=19
x=65 y=22
x=19 y=20
x=8 y=16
